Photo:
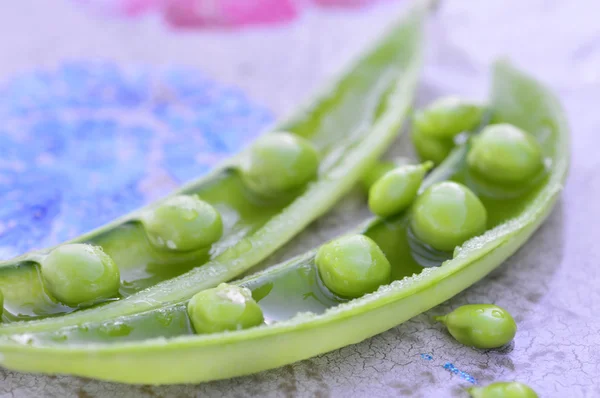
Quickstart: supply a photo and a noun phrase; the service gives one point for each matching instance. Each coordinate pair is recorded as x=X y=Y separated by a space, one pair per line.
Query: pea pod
x=302 y=317
x=159 y=251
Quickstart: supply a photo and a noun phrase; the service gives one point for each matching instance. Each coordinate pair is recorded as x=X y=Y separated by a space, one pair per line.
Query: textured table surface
x=550 y=285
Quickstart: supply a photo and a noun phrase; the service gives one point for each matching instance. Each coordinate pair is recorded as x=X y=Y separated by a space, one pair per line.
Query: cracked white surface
x=550 y=285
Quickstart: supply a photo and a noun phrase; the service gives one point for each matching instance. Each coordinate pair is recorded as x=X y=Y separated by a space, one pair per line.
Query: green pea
x=80 y=274
x=431 y=149
x=379 y=169
x=375 y=173
x=183 y=223
x=397 y=189
x=280 y=162
x=503 y=390
x=505 y=154
x=225 y=307
x=352 y=266
x=480 y=325
x=446 y=215
x=447 y=117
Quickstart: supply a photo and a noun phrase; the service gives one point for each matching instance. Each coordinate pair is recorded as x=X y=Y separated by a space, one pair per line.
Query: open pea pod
x=348 y=127
x=302 y=317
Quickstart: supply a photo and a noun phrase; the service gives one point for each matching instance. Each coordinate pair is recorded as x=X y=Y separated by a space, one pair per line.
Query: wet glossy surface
x=141 y=263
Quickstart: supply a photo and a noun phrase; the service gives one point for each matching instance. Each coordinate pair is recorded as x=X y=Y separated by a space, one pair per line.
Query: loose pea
x=431 y=149
x=397 y=189
x=505 y=154
x=183 y=223
x=447 y=117
x=80 y=274
x=353 y=266
x=280 y=162
x=446 y=215
x=225 y=307
x=503 y=390
x=480 y=325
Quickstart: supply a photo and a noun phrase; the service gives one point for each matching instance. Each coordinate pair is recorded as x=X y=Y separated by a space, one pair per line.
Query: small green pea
x=183 y=223
x=379 y=169
x=431 y=149
x=225 y=307
x=397 y=189
x=505 y=154
x=503 y=390
x=80 y=274
x=352 y=266
x=480 y=325
x=446 y=215
x=280 y=162
x=447 y=117
x=375 y=173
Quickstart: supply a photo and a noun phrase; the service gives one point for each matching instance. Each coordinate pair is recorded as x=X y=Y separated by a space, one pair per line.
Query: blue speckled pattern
x=87 y=142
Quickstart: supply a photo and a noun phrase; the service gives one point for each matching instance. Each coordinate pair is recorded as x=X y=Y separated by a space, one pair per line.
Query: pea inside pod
x=280 y=162
x=225 y=307
x=503 y=390
x=446 y=215
x=431 y=149
x=480 y=325
x=377 y=171
x=80 y=274
x=435 y=126
x=183 y=223
x=396 y=189
x=353 y=266
x=505 y=154
x=446 y=117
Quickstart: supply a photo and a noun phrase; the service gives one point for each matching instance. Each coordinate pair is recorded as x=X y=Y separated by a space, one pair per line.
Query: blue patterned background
x=87 y=142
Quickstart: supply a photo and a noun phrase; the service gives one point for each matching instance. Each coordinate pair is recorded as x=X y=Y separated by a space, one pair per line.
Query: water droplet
x=58 y=337
x=116 y=329
x=237 y=250
x=189 y=214
x=164 y=317
x=497 y=314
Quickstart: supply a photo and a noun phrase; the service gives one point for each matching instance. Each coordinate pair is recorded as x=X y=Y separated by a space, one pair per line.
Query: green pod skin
x=279 y=163
x=183 y=223
x=80 y=275
x=503 y=390
x=446 y=117
x=352 y=266
x=397 y=189
x=431 y=149
x=225 y=307
x=306 y=321
x=505 y=154
x=480 y=325
x=446 y=215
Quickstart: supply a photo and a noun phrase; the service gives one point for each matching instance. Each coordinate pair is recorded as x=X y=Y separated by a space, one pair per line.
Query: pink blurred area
x=228 y=13
x=218 y=13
